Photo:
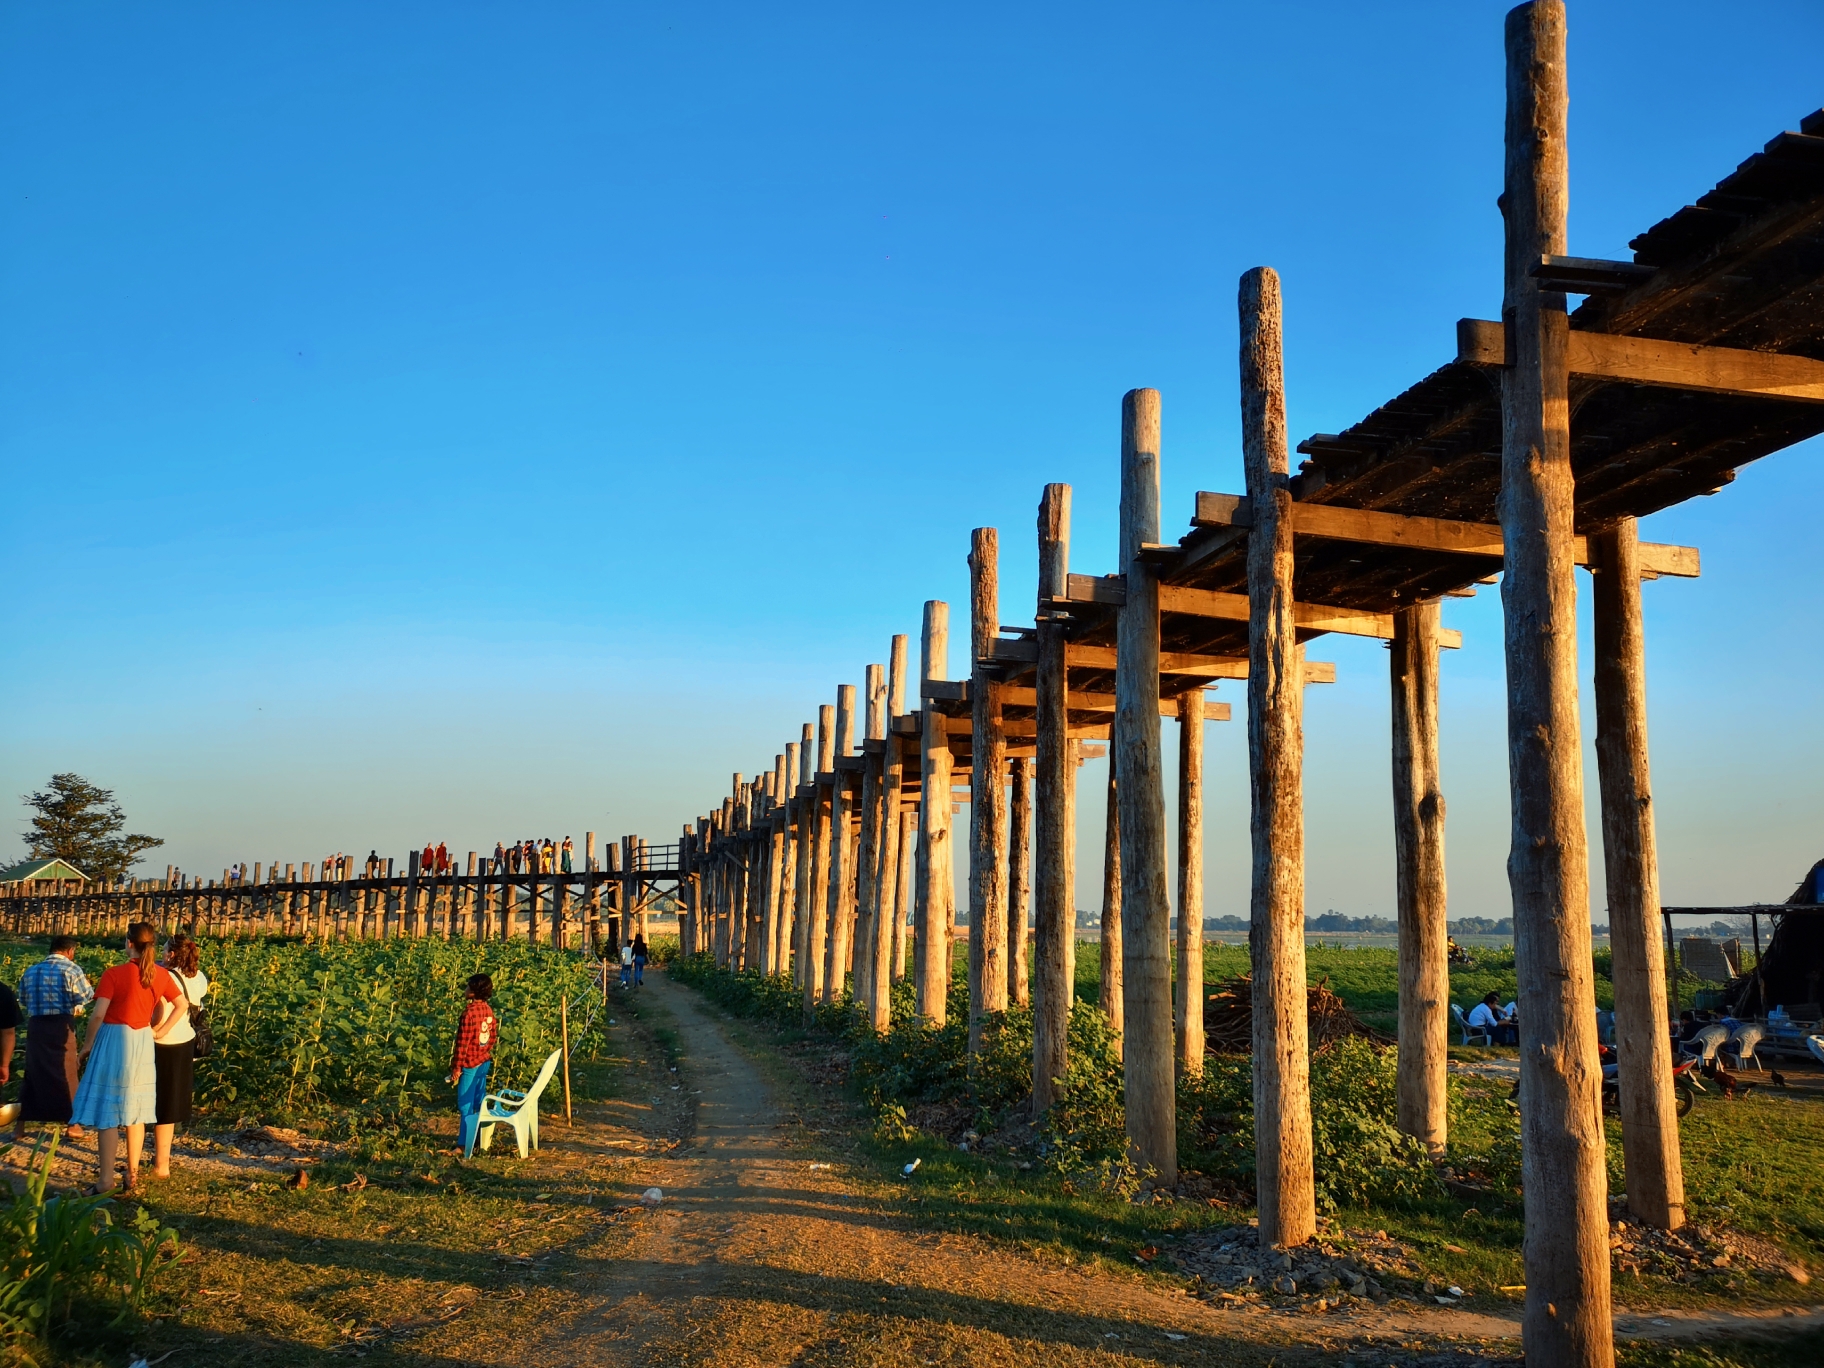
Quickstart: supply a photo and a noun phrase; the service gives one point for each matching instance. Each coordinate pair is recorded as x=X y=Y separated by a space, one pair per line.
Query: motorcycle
x=1685 y=1083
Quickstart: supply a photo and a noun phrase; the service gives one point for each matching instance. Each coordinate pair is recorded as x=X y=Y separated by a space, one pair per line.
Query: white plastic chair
x=1741 y=1046
x=1706 y=1042
x=1479 y=1033
x=517 y=1109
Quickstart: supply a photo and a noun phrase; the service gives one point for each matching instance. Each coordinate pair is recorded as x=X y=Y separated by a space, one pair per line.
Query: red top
x=474 y=1036
x=129 y=1004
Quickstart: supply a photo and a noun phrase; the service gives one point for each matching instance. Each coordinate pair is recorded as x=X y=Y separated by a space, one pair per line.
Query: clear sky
x=466 y=422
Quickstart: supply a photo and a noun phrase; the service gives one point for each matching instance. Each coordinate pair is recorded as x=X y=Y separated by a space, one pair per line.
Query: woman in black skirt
x=174 y=1051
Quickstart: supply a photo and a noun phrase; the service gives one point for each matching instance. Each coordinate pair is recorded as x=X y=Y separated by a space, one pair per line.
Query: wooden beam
x=1228 y=607
x=934 y=878
x=1669 y=365
x=1375 y=528
x=1180 y=663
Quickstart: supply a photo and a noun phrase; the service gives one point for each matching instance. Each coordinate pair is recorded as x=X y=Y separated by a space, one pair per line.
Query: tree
x=82 y=824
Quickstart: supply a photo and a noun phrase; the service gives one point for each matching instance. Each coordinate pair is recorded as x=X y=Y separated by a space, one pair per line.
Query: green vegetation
x=66 y=1256
x=1750 y=1163
x=353 y=1037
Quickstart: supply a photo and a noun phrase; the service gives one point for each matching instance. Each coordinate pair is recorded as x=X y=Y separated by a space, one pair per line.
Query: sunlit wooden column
x=1284 y=1187
x=1188 y=1003
x=1567 y=1318
x=1649 y=1118
x=935 y=873
x=1146 y=907
x=1418 y=850
x=987 y=792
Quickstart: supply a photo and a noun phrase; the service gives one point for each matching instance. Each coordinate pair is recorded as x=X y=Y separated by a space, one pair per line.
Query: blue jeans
x=471 y=1088
x=639 y=970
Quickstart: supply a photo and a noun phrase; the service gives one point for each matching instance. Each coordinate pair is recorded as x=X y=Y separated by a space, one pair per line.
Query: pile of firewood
x=1228 y=1018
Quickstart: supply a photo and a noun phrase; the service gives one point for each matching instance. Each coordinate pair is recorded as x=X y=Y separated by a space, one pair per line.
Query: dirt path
x=754 y=1256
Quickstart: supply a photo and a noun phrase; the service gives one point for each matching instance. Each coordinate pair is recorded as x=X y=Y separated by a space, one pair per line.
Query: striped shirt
x=55 y=986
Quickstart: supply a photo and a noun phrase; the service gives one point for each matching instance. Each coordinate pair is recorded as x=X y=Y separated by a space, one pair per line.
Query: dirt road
x=758 y=1254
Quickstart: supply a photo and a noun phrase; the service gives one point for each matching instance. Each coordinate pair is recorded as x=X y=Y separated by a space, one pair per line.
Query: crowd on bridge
x=537 y=857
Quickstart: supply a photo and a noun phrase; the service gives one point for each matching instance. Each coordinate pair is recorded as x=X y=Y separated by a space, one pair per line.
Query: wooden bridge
x=610 y=897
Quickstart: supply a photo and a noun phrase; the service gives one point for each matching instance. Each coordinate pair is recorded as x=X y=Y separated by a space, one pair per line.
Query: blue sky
x=479 y=421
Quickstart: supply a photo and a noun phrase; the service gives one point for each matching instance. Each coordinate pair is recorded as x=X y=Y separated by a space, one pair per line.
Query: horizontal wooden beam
x=1230 y=607
x=1021 y=696
x=1375 y=528
x=1671 y=365
x=1187 y=664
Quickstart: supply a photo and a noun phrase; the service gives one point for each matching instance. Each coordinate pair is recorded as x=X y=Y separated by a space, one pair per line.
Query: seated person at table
x=1487 y=1015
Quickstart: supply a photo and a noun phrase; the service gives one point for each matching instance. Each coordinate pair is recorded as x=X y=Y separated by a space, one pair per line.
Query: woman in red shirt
x=133 y=1003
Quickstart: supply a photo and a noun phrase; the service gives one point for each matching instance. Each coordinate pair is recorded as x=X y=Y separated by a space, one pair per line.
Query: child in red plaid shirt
x=473 y=1057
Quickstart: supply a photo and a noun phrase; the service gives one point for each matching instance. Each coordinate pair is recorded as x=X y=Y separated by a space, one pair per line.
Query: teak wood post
x=1649 y=1120
x=1567 y=1317
x=1189 y=1002
x=1055 y=813
x=908 y=874
x=1110 y=995
x=867 y=883
x=1418 y=848
x=1146 y=908
x=931 y=952
x=806 y=840
x=1019 y=879
x=987 y=792
x=889 y=913
x=841 y=899
x=1285 y=1191
x=816 y=921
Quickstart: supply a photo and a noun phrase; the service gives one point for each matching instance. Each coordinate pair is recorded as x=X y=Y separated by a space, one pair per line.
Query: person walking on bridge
x=568 y=856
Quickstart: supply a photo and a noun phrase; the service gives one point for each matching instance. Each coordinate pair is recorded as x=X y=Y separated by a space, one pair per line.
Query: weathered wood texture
x=1110 y=996
x=1188 y=1004
x=987 y=792
x=1054 y=815
x=1567 y=1318
x=1019 y=879
x=1419 y=891
x=1285 y=1192
x=1146 y=908
x=1649 y=1121
x=935 y=873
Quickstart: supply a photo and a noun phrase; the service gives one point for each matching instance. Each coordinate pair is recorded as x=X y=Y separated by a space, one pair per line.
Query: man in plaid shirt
x=473 y=1057
x=52 y=994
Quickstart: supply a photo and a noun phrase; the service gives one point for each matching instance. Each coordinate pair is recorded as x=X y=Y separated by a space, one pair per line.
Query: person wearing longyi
x=53 y=993
x=133 y=1003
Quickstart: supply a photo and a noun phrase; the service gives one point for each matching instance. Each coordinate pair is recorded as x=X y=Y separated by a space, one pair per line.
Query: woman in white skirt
x=119 y=1084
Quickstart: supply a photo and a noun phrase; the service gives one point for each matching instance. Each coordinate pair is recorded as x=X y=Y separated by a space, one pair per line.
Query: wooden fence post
x=888 y=913
x=931 y=958
x=867 y=868
x=1649 y=1120
x=1055 y=815
x=1285 y=1187
x=1146 y=908
x=1567 y=1317
x=1418 y=843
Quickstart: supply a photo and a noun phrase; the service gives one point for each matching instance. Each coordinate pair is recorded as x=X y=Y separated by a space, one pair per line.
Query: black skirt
x=49 y=1088
x=176 y=1081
